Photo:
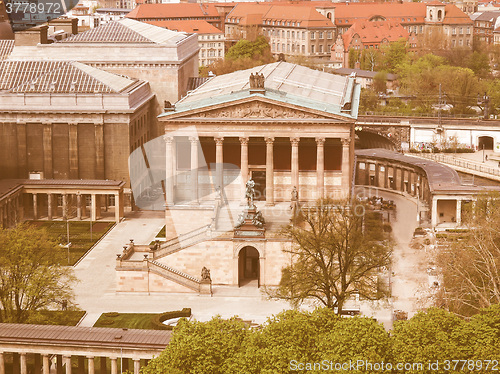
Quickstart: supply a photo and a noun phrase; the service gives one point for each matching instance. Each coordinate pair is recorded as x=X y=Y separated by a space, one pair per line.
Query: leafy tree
x=337 y=250
x=245 y=54
x=394 y=53
x=471 y=266
x=249 y=49
x=430 y=336
x=31 y=277
x=202 y=348
x=485 y=327
x=479 y=63
x=368 y=100
x=380 y=82
x=353 y=57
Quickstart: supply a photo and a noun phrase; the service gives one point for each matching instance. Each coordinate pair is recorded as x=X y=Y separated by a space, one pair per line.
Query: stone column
x=137 y=366
x=434 y=212
x=219 y=159
x=73 y=149
x=24 y=363
x=402 y=185
x=194 y=168
x=320 y=168
x=114 y=366
x=65 y=206
x=47 y=150
x=93 y=209
x=244 y=165
x=269 y=171
x=35 y=206
x=79 y=206
x=346 y=168
x=50 y=208
x=295 y=162
x=2 y=363
x=99 y=150
x=91 y=364
x=377 y=174
x=45 y=364
x=98 y=204
x=67 y=360
x=117 y=207
x=169 y=170
x=459 y=212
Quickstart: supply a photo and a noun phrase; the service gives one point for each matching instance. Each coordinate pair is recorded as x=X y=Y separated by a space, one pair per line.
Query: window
x=312 y=49
x=303 y=35
x=460 y=42
x=288 y=23
x=303 y=49
x=273 y=47
x=321 y=35
x=461 y=30
x=321 y=48
x=313 y=36
x=283 y=47
x=278 y=47
x=298 y=24
x=453 y=43
x=288 y=34
x=468 y=29
x=453 y=31
x=288 y=47
x=329 y=35
x=220 y=53
x=293 y=34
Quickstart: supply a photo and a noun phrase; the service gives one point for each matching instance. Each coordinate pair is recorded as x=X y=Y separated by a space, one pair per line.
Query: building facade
x=292 y=30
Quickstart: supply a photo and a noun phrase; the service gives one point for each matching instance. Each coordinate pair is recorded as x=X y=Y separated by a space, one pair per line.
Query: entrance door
x=485 y=142
x=248 y=266
x=259 y=177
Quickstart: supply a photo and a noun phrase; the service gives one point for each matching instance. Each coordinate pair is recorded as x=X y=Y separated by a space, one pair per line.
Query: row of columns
x=95 y=205
x=415 y=186
x=20 y=364
x=10 y=211
x=320 y=167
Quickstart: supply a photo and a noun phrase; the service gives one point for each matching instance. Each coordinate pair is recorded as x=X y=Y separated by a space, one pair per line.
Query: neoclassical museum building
x=288 y=128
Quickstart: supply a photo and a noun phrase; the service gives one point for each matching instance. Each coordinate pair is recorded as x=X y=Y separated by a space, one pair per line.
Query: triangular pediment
x=255 y=109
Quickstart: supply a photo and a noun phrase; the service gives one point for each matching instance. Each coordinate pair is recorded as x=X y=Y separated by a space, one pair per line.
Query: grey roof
x=362 y=73
x=127 y=31
x=485 y=16
x=284 y=82
x=6 y=47
x=58 y=77
x=441 y=178
x=73 y=182
x=84 y=336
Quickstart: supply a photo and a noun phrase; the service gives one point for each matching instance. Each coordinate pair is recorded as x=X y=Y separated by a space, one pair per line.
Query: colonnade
x=42 y=363
x=11 y=210
x=244 y=165
x=392 y=176
x=77 y=201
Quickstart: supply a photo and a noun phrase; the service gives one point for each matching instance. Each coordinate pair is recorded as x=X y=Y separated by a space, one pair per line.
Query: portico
x=287 y=133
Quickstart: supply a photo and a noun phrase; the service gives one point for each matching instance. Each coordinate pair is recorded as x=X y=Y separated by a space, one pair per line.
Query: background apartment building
x=291 y=29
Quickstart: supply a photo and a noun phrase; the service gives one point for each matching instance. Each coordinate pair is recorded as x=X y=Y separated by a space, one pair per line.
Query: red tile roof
x=190 y=26
x=251 y=13
x=406 y=13
x=374 y=32
x=183 y=10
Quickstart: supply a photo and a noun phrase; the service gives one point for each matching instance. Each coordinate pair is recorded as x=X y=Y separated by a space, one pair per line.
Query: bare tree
x=337 y=251
x=470 y=265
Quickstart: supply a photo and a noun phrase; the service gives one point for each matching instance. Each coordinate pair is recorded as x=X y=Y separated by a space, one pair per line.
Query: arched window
x=440 y=15
x=329 y=15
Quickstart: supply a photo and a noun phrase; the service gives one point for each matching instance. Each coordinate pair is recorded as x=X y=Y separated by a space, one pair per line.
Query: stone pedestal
x=250 y=224
x=206 y=287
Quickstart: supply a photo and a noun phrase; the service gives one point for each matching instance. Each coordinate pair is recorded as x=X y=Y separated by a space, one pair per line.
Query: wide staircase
x=182 y=241
x=174 y=275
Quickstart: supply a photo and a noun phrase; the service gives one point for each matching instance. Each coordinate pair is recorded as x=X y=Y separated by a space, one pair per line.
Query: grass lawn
x=79 y=235
x=127 y=320
x=55 y=317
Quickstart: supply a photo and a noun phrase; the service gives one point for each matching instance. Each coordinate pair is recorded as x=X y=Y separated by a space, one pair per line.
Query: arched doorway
x=248 y=266
x=485 y=142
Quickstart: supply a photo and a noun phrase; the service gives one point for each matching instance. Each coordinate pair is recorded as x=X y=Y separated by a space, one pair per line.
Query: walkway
x=471 y=163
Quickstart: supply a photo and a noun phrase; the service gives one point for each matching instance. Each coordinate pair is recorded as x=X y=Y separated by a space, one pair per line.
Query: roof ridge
x=115 y=86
